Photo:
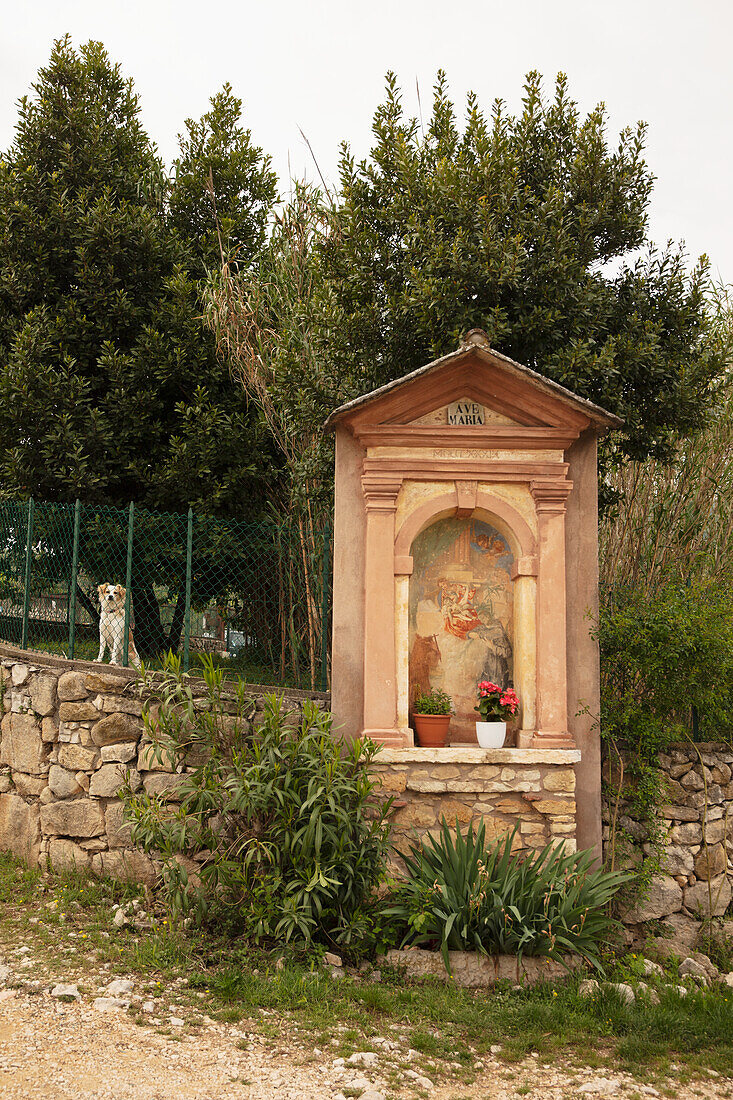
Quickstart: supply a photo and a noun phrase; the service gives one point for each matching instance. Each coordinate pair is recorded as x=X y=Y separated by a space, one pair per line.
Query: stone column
x=550 y=495
x=380 y=671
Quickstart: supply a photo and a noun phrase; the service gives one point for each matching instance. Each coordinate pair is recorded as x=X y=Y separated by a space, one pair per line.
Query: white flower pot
x=491 y=735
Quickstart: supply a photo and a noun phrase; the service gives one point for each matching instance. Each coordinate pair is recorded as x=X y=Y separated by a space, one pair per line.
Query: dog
x=112 y=625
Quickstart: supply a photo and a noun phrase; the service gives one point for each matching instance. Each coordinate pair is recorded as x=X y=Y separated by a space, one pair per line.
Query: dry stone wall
x=69 y=734
x=497 y=786
x=695 y=826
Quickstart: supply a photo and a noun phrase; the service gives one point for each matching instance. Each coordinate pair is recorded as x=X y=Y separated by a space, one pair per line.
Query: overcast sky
x=319 y=65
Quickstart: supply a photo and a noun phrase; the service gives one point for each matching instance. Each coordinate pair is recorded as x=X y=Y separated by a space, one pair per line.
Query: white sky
x=319 y=65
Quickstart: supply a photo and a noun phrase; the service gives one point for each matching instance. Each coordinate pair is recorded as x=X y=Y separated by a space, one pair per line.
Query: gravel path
x=71 y=1050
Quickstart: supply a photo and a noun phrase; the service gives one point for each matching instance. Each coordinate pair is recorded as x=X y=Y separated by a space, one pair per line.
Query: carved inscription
x=465 y=413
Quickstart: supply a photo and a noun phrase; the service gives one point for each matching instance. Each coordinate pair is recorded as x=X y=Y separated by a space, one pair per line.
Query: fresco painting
x=461 y=614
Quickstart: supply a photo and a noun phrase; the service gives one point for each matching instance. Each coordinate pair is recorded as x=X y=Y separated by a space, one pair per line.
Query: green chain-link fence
x=74 y=577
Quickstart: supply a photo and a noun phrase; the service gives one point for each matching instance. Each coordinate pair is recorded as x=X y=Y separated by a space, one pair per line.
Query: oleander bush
x=463 y=894
x=277 y=813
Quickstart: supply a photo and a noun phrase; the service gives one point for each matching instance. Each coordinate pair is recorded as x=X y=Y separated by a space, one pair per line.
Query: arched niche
x=465 y=598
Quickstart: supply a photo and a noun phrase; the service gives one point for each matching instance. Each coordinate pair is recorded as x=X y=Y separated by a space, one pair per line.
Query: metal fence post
x=187 y=619
x=128 y=584
x=27 y=582
x=325 y=602
x=74 y=576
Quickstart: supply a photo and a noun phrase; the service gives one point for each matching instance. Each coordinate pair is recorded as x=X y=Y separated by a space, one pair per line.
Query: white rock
x=120 y=919
x=495 y=1049
x=337 y=972
x=362 y=1058
x=64 y=990
x=728 y=979
x=119 y=987
x=110 y=1004
x=149 y=1006
x=176 y=1021
x=5 y=973
x=420 y=1082
x=652 y=969
x=360 y=1083
x=691 y=968
x=331 y=959
x=624 y=991
x=601 y=1086
x=370 y=1094
x=587 y=988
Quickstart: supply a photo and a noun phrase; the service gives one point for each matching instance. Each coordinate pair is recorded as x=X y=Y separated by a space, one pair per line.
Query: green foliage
x=224 y=188
x=663 y=653
x=289 y=842
x=512 y=223
x=434 y=701
x=110 y=386
x=468 y=895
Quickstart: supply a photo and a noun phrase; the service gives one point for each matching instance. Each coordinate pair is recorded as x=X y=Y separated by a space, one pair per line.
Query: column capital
x=380 y=491
x=550 y=493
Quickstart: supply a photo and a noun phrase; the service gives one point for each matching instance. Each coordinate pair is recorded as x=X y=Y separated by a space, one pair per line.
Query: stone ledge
x=474 y=971
x=470 y=754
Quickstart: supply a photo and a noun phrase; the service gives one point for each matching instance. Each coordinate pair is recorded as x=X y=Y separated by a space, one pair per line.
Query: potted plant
x=496 y=706
x=431 y=711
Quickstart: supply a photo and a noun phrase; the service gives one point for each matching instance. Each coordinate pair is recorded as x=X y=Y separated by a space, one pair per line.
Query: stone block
x=77 y=817
x=125 y=865
x=677 y=860
x=82 y=711
x=49 y=730
x=29 y=786
x=19 y=674
x=392 y=781
x=164 y=784
x=118 y=828
x=715 y=831
x=433 y=786
x=560 y=779
x=689 y=833
x=711 y=861
x=78 y=758
x=119 y=754
x=22 y=747
x=709 y=898
x=679 y=813
x=663 y=898
x=63 y=783
x=119 y=704
x=106 y=683
x=691 y=781
x=64 y=855
x=419 y=813
x=114 y=728
x=162 y=759
x=20 y=831
x=72 y=686
x=554 y=806
x=108 y=779
x=43 y=693
x=453 y=810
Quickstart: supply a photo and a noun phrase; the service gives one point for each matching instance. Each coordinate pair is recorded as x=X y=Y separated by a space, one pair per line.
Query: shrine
x=465 y=549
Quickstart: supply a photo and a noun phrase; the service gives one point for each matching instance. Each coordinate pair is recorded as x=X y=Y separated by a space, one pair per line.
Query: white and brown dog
x=112 y=625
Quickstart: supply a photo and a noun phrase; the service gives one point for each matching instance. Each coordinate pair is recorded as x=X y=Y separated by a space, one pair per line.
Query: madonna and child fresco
x=461 y=615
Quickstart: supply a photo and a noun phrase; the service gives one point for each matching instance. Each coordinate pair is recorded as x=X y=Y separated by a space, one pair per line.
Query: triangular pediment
x=506 y=394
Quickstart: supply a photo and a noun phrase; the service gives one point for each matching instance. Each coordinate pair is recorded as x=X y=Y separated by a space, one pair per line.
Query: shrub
x=663 y=655
x=470 y=896
x=288 y=841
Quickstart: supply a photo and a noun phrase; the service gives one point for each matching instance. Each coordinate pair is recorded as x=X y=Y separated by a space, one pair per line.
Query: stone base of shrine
x=464 y=784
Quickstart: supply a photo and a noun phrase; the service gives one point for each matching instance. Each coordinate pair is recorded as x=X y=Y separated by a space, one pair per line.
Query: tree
x=517 y=225
x=224 y=189
x=111 y=388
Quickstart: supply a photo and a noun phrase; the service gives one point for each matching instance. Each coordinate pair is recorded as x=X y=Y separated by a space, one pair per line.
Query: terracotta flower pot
x=431 y=729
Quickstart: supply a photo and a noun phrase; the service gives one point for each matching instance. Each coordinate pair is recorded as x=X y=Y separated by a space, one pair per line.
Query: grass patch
x=66 y=920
